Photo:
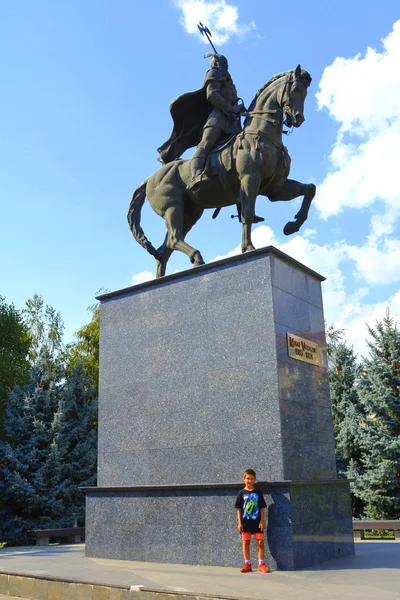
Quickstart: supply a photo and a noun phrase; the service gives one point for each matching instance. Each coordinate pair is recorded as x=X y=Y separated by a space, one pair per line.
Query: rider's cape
x=189 y=113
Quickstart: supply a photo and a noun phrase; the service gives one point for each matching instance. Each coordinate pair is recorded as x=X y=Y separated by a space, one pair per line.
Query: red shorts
x=246 y=536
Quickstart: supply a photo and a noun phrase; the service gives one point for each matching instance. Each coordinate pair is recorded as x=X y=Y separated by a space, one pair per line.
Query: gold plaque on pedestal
x=304 y=350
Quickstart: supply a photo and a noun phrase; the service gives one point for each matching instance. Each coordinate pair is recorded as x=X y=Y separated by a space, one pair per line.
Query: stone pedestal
x=196 y=384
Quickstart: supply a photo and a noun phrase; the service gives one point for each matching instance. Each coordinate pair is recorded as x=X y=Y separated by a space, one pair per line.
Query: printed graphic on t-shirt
x=251 y=509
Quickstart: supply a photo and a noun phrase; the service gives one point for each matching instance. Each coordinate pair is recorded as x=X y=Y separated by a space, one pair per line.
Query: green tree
x=85 y=350
x=45 y=328
x=347 y=410
x=50 y=451
x=30 y=469
x=14 y=347
x=379 y=391
x=333 y=338
x=77 y=442
x=346 y=407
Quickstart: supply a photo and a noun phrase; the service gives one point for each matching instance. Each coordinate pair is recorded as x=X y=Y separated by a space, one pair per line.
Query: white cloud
x=362 y=174
x=142 y=277
x=362 y=314
x=377 y=264
x=362 y=94
x=309 y=233
x=219 y=16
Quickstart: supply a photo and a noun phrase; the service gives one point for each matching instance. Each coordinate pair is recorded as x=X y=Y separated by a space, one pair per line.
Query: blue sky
x=84 y=105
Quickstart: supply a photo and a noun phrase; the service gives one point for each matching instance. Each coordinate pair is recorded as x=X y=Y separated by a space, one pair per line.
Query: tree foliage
x=379 y=391
x=49 y=448
x=85 y=350
x=347 y=410
x=14 y=347
x=45 y=329
x=346 y=407
x=50 y=451
x=366 y=412
x=30 y=469
x=77 y=441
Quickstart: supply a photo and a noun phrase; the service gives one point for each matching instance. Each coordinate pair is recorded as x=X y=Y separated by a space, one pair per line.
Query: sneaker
x=246 y=568
x=263 y=568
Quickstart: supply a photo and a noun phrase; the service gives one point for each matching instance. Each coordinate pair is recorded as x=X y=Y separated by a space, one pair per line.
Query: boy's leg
x=260 y=548
x=246 y=538
x=246 y=549
x=260 y=552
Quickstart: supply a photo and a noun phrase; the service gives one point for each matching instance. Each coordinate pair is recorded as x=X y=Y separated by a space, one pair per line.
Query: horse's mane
x=269 y=82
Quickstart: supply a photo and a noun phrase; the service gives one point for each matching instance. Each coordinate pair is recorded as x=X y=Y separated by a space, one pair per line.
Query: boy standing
x=250 y=505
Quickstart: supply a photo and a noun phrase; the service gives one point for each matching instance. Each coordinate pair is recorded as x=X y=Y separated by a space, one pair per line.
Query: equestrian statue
x=231 y=165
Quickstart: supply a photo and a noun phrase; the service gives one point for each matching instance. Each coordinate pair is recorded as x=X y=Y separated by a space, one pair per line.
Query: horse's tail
x=134 y=213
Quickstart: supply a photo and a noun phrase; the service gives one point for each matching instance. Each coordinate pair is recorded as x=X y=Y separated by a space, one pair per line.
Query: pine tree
x=346 y=407
x=50 y=452
x=348 y=413
x=379 y=390
x=50 y=437
x=77 y=442
x=30 y=470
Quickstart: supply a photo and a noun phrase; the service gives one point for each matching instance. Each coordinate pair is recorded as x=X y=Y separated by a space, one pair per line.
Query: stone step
x=18 y=587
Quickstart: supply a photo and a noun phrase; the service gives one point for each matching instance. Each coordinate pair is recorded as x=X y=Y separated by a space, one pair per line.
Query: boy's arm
x=262 y=519
x=239 y=516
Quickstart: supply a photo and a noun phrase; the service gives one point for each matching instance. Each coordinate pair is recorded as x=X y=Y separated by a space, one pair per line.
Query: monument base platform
x=204 y=374
x=308 y=523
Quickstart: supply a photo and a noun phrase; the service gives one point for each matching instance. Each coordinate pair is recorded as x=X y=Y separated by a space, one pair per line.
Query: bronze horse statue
x=251 y=163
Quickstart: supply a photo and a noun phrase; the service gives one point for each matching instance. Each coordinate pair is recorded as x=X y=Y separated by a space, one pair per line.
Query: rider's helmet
x=218 y=60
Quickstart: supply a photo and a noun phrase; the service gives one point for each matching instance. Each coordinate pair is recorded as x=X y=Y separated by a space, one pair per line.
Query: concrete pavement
x=62 y=572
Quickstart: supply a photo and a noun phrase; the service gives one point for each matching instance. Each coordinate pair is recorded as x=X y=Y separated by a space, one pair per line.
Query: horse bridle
x=285 y=97
x=283 y=103
x=256 y=113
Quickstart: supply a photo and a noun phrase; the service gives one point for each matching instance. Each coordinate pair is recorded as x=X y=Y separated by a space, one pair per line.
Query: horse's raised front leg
x=249 y=187
x=293 y=189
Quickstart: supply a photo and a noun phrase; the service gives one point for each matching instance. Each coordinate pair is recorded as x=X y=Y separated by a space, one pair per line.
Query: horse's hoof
x=291 y=227
x=198 y=263
x=248 y=248
x=197 y=260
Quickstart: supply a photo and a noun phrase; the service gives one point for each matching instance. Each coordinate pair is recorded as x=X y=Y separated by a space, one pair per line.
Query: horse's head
x=293 y=96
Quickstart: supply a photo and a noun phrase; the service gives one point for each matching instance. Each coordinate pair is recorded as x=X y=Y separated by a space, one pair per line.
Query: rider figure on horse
x=224 y=118
x=204 y=118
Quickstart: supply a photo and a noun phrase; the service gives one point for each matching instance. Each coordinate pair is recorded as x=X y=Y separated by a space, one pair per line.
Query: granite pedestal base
x=307 y=524
x=200 y=379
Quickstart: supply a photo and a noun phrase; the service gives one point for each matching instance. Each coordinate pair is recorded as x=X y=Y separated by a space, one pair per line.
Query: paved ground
x=372 y=574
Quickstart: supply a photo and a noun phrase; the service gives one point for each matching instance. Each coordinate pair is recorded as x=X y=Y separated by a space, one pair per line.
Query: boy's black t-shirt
x=250 y=503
